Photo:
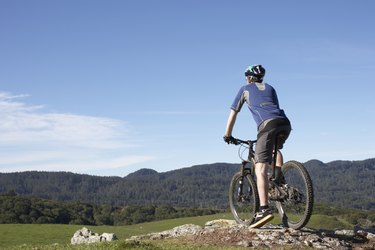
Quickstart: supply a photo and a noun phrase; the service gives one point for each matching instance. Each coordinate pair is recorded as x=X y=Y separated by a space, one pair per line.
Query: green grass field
x=47 y=234
x=37 y=236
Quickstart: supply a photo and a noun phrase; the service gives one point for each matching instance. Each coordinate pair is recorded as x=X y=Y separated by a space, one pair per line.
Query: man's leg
x=279 y=159
x=279 y=163
x=261 y=170
x=265 y=213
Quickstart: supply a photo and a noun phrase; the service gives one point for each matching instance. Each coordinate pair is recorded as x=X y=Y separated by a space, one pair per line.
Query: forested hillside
x=343 y=183
x=32 y=210
x=198 y=186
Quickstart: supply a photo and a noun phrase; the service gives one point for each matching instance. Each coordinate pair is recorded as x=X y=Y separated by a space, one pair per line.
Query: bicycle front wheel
x=243 y=198
x=296 y=209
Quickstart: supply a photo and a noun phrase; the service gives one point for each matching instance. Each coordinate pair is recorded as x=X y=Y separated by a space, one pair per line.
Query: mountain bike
x=292 y=193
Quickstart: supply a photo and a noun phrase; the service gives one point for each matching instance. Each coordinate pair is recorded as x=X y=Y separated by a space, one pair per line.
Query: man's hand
x=229 y=139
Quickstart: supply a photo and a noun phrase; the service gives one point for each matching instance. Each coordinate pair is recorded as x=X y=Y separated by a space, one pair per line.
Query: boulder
x=184 y=230
x=86 y=236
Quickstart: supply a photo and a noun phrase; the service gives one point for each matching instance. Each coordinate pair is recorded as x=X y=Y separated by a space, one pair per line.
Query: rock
x=108 y=237
x=370 y=236
x=349 y=233
x=86 y=236
x=221 y=223
x=228 y=233
x=188 y=229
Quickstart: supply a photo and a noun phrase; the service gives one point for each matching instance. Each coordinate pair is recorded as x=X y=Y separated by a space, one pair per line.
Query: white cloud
x=32 y=139
x=71 y=162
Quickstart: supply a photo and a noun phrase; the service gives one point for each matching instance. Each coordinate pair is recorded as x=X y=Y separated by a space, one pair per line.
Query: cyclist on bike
x=261 y=99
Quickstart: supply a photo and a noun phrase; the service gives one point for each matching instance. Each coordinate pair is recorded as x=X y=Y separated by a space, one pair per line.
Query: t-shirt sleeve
x=238 y=101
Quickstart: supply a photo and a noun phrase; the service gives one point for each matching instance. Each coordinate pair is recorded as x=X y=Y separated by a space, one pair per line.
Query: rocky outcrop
x=228 y=233
x=86 y=236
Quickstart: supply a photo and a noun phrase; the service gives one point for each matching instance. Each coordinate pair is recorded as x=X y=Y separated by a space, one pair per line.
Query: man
x=262 y=101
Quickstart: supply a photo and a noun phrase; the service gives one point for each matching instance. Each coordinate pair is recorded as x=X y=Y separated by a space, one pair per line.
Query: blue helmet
x=255 y=70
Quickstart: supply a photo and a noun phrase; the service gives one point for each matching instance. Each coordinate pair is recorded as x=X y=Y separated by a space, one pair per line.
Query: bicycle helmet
x=255 y=70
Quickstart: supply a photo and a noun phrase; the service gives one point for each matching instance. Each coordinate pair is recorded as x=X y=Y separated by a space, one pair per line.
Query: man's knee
x=261 y=168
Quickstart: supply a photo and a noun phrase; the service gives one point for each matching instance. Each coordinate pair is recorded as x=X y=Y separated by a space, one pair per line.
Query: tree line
x=33 y=210
x=347 y=184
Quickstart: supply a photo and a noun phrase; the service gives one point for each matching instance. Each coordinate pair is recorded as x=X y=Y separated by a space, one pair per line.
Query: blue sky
x=109 y=87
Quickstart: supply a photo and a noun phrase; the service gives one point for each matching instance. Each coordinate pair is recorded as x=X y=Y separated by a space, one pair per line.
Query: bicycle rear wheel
x=243 y=198
x=296 y=209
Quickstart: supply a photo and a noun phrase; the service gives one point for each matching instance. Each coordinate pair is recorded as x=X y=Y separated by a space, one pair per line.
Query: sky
x=109 y=87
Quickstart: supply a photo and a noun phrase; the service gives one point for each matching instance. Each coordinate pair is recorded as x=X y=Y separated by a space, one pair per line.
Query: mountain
x=343 y=183
x=143 y=172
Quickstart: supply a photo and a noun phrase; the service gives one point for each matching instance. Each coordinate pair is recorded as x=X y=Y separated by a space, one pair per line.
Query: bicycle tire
x=296 y=212
x=245 y=206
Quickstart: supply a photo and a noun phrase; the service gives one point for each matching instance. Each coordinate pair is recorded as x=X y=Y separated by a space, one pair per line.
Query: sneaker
x=261 y=218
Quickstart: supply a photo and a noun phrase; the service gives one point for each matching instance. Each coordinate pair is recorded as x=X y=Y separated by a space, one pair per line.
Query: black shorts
x=267 y=133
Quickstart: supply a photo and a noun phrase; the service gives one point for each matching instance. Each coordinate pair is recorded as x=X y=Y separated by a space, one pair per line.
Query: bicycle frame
x=251 y=158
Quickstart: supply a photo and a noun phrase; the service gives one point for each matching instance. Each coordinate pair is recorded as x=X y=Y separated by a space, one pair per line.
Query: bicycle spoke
x=243 y=199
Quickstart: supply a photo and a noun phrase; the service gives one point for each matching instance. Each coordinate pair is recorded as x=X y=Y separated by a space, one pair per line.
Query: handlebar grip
x=234 y=141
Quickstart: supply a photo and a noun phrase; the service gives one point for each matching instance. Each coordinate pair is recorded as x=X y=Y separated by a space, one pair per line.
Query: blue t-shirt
x=262 y=101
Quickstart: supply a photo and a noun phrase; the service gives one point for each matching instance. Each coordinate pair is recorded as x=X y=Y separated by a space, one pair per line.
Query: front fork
x=243 y=172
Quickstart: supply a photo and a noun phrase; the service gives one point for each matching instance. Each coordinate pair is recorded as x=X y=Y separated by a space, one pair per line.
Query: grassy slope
x=17 y=234
x=48 y=234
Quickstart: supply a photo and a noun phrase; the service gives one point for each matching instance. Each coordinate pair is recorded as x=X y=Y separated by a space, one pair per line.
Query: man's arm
x=230 y=123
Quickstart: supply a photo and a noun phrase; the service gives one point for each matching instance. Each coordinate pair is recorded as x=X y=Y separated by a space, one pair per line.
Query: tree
x=165 y=212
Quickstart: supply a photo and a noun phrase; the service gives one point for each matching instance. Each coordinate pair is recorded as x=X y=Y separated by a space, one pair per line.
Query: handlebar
x=237 y=141
x=249 y=145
